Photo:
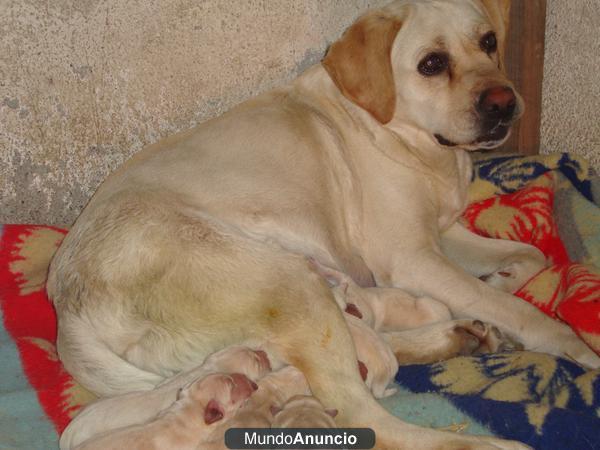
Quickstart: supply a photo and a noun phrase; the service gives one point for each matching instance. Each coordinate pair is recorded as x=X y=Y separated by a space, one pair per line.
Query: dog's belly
x=296 y=234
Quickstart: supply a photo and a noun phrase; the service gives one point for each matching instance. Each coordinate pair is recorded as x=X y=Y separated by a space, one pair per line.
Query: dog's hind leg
x=97 y=366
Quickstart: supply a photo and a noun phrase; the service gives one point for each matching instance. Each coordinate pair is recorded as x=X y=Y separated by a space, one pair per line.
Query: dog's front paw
x=515 y=271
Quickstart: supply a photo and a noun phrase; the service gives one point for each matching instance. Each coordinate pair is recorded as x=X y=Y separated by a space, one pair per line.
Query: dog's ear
x=331 y=413
x=499 y=13
x=360 y=64
x=275 y=410
x=213 y=412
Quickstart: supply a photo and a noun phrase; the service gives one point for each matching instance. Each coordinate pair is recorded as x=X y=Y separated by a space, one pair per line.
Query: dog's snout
x=497 y=103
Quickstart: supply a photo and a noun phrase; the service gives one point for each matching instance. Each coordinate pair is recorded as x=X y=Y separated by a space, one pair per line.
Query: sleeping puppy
x=377 y=362
x=299 y=411
x=274 y=390
x=197 y=411
x=303 y=411
x=200 y=241
x=383 y=309
x=414 y=330
x=142 y=406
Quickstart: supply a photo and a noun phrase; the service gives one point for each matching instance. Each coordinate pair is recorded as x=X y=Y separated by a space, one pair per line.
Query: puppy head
x=218 y=395
x=303 y=411
x=377 y=364
x=436 y=65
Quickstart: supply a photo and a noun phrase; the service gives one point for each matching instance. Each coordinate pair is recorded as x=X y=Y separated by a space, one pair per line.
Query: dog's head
x=218 y=395
x=434 y=64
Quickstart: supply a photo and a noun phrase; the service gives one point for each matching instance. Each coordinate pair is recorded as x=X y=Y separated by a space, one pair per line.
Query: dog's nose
x=497 y=103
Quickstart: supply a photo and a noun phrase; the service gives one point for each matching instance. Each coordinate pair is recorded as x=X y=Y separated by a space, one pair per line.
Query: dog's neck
x=422 y=144
x=448 y=169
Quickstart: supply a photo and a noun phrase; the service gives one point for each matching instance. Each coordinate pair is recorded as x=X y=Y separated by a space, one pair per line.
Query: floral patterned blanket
x=549 y=403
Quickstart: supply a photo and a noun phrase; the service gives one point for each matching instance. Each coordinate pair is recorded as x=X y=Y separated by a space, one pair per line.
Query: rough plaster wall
x=571 y=89
x=84 y=84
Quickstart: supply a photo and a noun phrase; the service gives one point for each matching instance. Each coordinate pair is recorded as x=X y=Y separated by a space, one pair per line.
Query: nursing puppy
x=274 y=390
x=299 y=411
x=303 y=411
x=142 y=406
x=198 y=410
x=376 y=356
x=377 y=363
x=383 y=309
x=200 y=240
x=414 y=330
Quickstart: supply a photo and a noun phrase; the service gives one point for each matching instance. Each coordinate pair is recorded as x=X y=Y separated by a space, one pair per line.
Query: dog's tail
x=96 y=366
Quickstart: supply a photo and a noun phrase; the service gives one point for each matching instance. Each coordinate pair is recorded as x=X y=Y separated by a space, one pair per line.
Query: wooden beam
x=525 y=67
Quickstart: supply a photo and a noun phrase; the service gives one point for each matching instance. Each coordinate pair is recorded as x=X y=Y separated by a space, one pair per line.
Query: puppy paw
x=475 y=337
x=514 y=272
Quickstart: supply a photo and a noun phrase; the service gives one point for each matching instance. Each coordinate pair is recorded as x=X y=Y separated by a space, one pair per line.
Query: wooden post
x=525 y=67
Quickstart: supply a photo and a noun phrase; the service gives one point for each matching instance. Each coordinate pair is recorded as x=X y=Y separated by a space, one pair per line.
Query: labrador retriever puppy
x=303 y=411
x=197 y=411
x=274 y=391
x=381 y=308
x=377 y=362
x=298 y=411
x=414 y=330
x=200 y=240
x=139 y=407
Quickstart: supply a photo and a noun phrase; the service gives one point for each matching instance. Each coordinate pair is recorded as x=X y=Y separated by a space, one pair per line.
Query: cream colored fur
x=384 y=321
x=302 y=411
x=139 y=407
x=200 y=241
x=181 y=426
x=274 y=390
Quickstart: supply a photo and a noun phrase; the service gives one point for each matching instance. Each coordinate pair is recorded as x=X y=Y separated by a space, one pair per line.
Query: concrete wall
x=571 y=89
x=84 y=84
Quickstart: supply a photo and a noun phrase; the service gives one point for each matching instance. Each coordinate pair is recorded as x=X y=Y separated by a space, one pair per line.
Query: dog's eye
x=433 y=64
x=488 y=42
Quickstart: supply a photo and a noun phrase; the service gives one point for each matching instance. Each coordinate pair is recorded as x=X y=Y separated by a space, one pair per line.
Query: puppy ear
x=362 y=369
x=499 y=14
x=213 y=412
x=353 y=310
x=360 y=64
x=331 y=412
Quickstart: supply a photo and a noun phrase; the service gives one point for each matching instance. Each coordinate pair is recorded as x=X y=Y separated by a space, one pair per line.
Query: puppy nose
x=497 y=103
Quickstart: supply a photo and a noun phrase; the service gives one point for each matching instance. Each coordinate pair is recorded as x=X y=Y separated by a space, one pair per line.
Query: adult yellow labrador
x=201 y=240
